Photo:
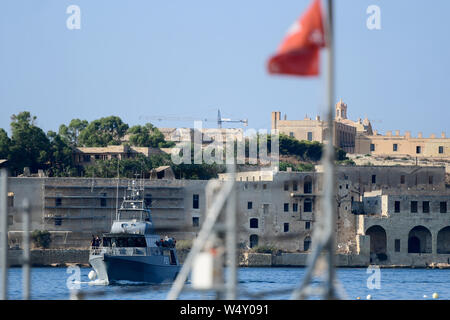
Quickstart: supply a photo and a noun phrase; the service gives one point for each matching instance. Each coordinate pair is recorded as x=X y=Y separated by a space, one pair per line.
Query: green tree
x=71 y=132
x=148 y=136
x=30 y=146
x=103 y=132
x=5 y=144
x=41 y=238
x=61 y=156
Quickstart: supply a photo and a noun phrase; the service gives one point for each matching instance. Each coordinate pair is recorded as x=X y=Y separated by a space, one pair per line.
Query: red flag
x=298 y=54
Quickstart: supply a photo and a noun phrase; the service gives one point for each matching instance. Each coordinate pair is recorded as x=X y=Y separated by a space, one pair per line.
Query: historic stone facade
x=378 y=210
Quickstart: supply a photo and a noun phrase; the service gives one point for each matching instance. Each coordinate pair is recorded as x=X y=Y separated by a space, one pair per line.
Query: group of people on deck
x=166 y=242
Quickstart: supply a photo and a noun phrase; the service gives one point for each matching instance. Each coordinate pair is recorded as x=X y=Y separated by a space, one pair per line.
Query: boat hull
x=148 y=269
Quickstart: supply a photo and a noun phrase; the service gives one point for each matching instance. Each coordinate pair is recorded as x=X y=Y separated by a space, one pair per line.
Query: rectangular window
x=374 y=178
x=402 y=179
x=11 y=200
x=413 y=206
x=426 y=207
x=249 y=205
x=307 y=225
x=310 y=137
x=395 y=147
x=103 y=200
x=397 y=206
x=291 y=134
x=294 y=186
x=430 y=179
x=308 y=205
x=397 y=245
x=265 y=208
x=286 y=186
x=295 y=207
x=86 y=158
x=443 y=207
x=286 y=227
x=148 y=200
x=441 y=149
x=58 y=202
x=372 y=147
x=418 y=149
x=195 y=221
x=58 y=221
x=286 y=207
x=264 y=186
x=195 y=202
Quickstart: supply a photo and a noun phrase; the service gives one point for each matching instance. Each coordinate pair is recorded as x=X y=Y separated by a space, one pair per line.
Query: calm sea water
x=398 y=284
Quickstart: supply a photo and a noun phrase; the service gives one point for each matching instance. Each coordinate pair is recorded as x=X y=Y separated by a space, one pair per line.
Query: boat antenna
x=117 y=191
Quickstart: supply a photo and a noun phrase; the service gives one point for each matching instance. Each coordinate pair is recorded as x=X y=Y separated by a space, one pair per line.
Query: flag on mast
x=298 y=54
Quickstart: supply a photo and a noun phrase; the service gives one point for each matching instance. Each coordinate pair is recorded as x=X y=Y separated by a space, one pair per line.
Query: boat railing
x=129 y=251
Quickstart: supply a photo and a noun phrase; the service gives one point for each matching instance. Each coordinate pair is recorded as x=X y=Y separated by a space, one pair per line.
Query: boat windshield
x=140 y=215
x=124 y=242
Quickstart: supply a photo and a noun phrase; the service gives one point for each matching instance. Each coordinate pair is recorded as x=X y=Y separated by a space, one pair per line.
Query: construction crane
x=219 y=119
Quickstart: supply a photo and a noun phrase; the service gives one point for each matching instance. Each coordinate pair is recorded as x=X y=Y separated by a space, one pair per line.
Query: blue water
x=395 y=284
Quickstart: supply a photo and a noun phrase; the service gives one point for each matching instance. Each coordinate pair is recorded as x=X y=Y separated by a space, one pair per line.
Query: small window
x=86 y=158
x=443 y=207
x=295 y=207
x=308 y=205
x=264 y=186
x=294 y=186
x=254 y=223
x=374 y=178
x=286 y=186
x=58 y=202
x=58 y=221
x=291 y=134
x=310 y=136
x=265 y=208
x=10 y=199
x=286 y=227
x=418 y=149
x=426 y=207
x=148 y=200
x=103 y=200
x=402 y=179
x=249 y=205
x=397 y=245
x=397 y=206
x=286 y=207
x=395 y=147
x=413 y=206
x=195 y=201
x=441 y=149
x=430 y=179
x=195 y=221
x=307 y=225
x=372 y=147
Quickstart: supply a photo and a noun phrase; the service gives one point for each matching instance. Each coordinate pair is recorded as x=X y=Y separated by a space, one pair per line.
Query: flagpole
x=328 y=205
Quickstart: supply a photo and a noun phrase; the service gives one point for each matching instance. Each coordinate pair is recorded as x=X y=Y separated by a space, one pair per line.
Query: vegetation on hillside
x=29 y=146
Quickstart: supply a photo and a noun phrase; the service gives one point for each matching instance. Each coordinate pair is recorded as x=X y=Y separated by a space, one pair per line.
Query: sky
x=144 y=58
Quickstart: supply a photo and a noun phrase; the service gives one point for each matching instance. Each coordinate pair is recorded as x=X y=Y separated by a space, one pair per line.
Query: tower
x=341 y=110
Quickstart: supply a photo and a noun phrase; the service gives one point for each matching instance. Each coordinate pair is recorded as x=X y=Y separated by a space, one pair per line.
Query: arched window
x=253 y=240
x=443 y=241
x=307 y=185
x=253 y=223
x=378 y=241
x=419 y=240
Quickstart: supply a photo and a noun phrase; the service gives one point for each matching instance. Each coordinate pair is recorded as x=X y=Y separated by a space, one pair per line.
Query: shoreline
x=63 y=258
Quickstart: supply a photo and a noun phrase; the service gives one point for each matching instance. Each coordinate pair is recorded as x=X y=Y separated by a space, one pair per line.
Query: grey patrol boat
x=131 y=251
